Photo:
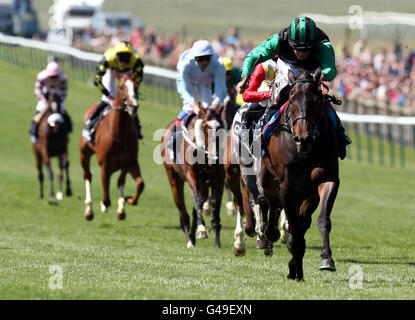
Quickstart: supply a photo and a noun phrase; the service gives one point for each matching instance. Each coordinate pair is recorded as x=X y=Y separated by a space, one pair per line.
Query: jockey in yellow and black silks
x=116 y=62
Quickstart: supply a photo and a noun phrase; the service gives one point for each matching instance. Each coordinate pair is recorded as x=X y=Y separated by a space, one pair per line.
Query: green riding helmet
x=302 y=33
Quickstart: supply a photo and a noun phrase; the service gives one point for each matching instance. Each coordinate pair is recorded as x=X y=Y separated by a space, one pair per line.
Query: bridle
x=129 y=108
x=290 y=122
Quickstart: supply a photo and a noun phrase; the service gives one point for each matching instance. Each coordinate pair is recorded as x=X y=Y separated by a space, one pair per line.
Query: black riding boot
x=137 y=123
x=68 y=121
x=96 y=113
x=33 y=131
x=344 y=140
x=90 y=124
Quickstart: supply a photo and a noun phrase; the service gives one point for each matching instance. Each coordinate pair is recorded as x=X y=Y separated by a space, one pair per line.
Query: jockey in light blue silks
x=201 y=83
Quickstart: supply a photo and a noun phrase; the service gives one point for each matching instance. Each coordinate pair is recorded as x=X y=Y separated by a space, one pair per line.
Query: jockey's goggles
x=124 y=57
x=203 y=58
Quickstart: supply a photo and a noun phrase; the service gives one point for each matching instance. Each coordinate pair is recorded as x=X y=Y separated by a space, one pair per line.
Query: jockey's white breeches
x=41 y=106
x=281 y=76
x=203 y=94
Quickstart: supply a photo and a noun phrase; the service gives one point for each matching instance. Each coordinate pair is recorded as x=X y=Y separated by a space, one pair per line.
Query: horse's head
x=305 y=107
x=207 y=130
x=127 y=94
x=53 y=98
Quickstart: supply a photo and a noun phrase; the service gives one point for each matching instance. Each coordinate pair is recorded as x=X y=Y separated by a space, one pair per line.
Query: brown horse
x=303 y=153
x=53 y=142
x=116 y=147
x=200 y=165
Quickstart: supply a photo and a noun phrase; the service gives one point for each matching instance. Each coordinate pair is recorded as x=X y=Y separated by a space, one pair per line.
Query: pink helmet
x=52 y=69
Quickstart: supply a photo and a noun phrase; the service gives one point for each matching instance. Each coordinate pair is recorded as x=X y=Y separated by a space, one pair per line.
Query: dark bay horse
x=303 y=153
x=53 y=142
x=200 y=165
x=228 y=113
x=116 y=147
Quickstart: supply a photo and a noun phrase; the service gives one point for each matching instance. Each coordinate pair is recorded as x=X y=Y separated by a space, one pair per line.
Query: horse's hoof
x=206 y=208
x=89 y=217
x=68 y=192
x=190 y=244
x=272 y=235
x=103 y=207
x=122 y=216
x=202 y=235
x=230 y=208
x=52 y=201
x=239 y=252
x=327 y=265
x=250 y=232
x=59 y=196
x=131 y=201
x=261 y=244
x=269 y=252
x=291 y=277
x=284 y=236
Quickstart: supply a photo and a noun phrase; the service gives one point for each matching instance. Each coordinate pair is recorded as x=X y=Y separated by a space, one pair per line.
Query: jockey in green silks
x=301 y=46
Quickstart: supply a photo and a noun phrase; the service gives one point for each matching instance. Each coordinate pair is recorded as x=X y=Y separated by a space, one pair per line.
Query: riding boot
x=138 y=125
x=68 y=121
x=33 y=132
x=253 y=112
x=344 y=140
x=90 y=124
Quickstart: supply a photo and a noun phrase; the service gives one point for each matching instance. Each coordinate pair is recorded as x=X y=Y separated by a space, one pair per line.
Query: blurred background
x=374 y=41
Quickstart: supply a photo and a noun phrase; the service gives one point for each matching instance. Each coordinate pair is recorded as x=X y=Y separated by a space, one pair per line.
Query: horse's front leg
x=52 y=199
x=121 y=200
x=68 y=180
x=136 y=174
x=327 y=192
x=105 y=178
x=59 y=194
x=297 y=248
x=40 y=177
x=217 y=193
x=86 y=154
x=260 y=206
x=232 y=173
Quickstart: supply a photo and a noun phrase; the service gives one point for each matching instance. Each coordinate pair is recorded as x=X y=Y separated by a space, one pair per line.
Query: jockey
x=201 y=76
x=46 y=80
x=258 y=93
x=302 y=46
x=116 y=62
x=233 y=75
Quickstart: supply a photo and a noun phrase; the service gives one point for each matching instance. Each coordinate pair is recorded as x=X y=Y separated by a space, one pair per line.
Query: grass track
x=145 y=257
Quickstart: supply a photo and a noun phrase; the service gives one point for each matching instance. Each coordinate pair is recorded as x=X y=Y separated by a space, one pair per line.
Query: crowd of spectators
x=388 y=74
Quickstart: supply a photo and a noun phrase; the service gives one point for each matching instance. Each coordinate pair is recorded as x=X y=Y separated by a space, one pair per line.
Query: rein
x=290 y=126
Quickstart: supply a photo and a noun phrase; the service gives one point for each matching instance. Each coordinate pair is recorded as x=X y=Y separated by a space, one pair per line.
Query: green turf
x=145 y=256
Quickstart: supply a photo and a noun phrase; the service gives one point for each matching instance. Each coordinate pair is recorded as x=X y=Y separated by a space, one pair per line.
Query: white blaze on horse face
x=131 y=93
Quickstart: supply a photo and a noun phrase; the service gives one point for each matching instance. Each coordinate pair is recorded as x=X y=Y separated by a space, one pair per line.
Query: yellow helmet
x=124 y=46
x=124 y=51
x=227 y=62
